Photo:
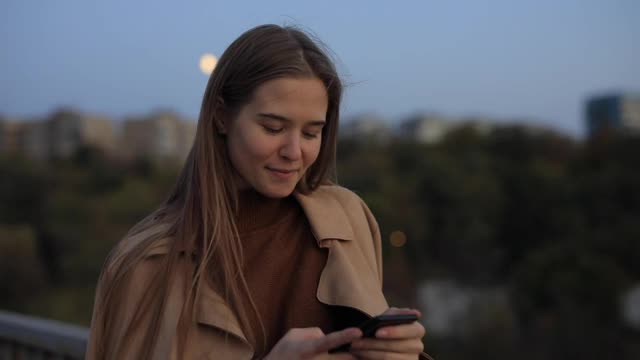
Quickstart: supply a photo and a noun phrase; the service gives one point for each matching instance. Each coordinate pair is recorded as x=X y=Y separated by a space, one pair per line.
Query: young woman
x=255 y=253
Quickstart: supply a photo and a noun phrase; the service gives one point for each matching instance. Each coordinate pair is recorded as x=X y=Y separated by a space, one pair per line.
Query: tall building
x=162 y=135
x=615 y=112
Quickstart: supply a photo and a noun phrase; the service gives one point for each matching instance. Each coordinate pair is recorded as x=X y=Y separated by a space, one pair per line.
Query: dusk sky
x=533 y=60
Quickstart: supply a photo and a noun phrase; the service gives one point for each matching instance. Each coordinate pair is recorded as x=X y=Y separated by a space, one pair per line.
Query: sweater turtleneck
x=282 y=266
x=256 y=211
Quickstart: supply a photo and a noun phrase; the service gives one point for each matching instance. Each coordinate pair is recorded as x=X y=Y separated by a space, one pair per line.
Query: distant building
x=60 y=135
x=420 y=127
x=11 y=135
x=482 y=126
x=613 y=112
x=425 y=128
x=36 y=141
x=69 y=130
x=162 y=135
x=450 y=309
x=365 y=127
x=430 y=129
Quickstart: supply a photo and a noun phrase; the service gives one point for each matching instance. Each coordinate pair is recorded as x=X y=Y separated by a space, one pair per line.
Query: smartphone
x=372 y=325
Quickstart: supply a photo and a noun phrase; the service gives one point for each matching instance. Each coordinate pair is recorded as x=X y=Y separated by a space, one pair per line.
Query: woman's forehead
x=291 y=99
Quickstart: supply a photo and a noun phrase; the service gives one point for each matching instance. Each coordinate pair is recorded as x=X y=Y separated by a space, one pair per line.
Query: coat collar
x=328 y=221
x=327 y=218
x=346 y=280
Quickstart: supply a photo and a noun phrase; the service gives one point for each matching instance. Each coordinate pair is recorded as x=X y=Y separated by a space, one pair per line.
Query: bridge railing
x=25 y=337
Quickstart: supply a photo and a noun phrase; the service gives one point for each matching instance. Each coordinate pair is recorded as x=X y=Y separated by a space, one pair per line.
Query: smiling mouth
x=282 y=174
x=282 y=171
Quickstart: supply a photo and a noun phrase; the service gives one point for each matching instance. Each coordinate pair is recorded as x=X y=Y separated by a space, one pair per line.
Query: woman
x=254 y=253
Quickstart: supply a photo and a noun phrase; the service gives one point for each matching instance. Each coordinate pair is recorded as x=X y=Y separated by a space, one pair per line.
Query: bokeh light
x=398 y=238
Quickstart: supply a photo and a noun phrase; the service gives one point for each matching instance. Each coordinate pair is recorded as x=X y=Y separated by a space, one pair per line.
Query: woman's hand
x=392 y=342
x=313 y=344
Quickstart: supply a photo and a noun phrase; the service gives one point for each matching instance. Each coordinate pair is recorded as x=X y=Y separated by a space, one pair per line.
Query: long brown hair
x=198 y=215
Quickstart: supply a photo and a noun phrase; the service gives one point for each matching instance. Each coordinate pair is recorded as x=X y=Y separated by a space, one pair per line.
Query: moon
x=208 y=63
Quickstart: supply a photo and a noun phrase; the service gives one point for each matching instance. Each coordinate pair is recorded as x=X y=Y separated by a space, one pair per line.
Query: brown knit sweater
x=283 y=263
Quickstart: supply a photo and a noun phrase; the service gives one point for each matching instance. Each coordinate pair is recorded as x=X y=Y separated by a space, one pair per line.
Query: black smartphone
x=372 y=325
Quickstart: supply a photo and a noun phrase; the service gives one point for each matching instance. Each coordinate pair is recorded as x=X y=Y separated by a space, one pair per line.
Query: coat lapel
x=343 y=283
x=213 y=310
x=346 y=280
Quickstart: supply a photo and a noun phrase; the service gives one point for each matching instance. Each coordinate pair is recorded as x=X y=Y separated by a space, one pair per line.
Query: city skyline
x=533 y=61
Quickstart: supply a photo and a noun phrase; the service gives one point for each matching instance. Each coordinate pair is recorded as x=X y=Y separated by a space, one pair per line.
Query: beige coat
x=352 y=276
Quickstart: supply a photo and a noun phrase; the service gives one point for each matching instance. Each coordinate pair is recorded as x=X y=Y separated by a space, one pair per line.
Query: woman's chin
x=276 y=192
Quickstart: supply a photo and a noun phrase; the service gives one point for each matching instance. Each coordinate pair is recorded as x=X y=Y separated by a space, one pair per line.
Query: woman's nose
x=291 y=149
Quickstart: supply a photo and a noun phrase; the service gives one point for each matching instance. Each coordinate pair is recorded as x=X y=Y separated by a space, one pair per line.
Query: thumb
x=330 y=341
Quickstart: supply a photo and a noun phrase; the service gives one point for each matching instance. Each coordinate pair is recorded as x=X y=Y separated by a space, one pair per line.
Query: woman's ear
x=220 y=117
x=222 y=129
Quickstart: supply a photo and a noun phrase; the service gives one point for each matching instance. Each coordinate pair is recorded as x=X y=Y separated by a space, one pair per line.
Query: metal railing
x=25 y=337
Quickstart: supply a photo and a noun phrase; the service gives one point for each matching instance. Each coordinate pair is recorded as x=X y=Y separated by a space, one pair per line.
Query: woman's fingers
x=332 y=340
x=312 y=343
x=413 y=330
x=392 y=342
x=411 y=346
x=383 y=355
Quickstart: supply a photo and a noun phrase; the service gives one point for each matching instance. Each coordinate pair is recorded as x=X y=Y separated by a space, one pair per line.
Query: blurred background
x=497 y=143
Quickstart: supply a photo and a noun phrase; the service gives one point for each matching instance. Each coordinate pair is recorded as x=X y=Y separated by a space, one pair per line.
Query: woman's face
x=276 y=137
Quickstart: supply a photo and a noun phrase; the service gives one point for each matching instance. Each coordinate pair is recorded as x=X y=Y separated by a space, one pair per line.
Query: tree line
x=553 y=219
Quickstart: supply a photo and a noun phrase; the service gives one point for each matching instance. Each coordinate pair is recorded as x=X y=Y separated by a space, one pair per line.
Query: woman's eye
x=310 y=135
x=272 y=130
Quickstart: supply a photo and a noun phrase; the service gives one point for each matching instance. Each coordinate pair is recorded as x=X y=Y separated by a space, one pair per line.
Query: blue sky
x=531 y=60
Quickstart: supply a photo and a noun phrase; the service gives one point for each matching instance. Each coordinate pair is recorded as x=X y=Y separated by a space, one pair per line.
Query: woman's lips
x=282 y=173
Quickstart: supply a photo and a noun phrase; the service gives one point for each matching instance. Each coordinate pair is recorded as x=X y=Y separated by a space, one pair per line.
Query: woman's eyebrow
x=285 y=119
